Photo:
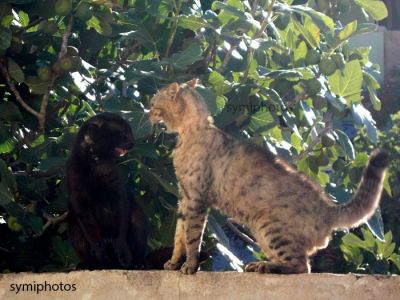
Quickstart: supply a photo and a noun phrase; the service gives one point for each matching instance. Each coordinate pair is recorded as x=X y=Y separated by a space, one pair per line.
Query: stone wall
x=115 y=285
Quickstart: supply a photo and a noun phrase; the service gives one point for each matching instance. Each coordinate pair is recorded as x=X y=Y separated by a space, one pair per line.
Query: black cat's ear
x=192 y=83
x=172 y=90
x=95 y=123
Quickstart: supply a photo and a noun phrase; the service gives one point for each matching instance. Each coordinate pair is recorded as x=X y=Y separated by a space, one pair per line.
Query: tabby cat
x=289 y=215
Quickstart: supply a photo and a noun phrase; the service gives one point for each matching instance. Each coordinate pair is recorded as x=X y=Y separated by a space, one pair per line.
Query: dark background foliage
x=280 y=73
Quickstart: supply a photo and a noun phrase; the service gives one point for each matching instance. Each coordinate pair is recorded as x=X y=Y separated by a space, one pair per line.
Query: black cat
x=106 y=226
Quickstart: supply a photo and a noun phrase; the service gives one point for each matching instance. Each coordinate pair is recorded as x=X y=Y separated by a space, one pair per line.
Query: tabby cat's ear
x=172 y=90
x=192 y=83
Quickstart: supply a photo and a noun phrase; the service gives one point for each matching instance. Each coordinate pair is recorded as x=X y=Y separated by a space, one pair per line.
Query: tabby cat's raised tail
x=364 y=203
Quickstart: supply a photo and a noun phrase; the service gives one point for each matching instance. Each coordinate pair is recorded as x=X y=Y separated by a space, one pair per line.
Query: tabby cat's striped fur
x=289 y=215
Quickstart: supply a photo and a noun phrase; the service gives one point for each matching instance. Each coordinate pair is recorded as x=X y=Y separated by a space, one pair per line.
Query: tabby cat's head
x=179 y=107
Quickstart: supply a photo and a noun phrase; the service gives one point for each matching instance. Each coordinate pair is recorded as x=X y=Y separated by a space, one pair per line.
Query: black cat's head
x=105 y=136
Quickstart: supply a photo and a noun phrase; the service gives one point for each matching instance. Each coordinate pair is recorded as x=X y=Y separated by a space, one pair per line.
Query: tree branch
x=311 y=146
x=241 y=235
x=16 y=92
x=51 y=221
x=63 y=51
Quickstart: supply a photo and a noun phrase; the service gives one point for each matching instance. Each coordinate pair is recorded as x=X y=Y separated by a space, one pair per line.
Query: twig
x=254 y=7
x=45 y=102
x=124 y=57
x=240 y=234
x=16 y=92
x=39 y=174
x=227 y=58
x=63 y=51
x=4 y=249
x=257 y=35
x=51 y=221
x=311 y=146
x=65 y=37
x=33 y=23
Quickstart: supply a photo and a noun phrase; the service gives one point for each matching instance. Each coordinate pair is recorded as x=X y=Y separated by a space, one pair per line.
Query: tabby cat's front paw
x=258 y=266
x=169 y=265
x=188 y=270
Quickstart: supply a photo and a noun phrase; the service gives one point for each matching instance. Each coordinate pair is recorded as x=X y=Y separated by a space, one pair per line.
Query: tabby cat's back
x=289 y=214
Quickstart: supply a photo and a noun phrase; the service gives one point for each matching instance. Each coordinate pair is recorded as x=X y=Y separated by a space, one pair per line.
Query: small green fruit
x=323 y=5
x=282 y=21
x=49 y=27
x=313 y=57
x=313 y=86
x=338 y=165
x=328 y=140
x=327 y=66
x=13 y=224
x=281 y=86
x=66 y=63
x=323 y=159
x=44 y=73
x=63 y=7
x=84 y=12
x=313 y=163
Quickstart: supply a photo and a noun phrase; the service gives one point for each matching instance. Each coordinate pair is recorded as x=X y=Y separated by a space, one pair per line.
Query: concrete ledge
x=169 y=285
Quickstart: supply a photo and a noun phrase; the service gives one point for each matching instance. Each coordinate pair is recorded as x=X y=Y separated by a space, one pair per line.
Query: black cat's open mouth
x=121 y=151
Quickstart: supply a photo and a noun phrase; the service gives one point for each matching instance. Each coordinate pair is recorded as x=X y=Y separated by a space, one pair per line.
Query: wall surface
x=115 y=285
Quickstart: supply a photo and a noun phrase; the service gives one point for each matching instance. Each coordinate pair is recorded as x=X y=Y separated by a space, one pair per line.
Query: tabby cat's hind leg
x=294 y=266
x=286 y=252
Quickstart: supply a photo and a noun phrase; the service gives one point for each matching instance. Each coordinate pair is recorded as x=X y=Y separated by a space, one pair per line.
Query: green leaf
x=261 y=121
x=7 y=201
x=375 y=8
x=363 y=116
x=100 y=25
x=323 y=178
x=348 y=83
x=345 y=143
x=347 y=31
x=218 y=83
x=360 y=160
x=310 y=32
x=7 y=142
x=370 y=80
x=353 y=240
x=376 y=102
x=5 y=38
x=23 y=18
x=395 y=259
x=52 y=163
x=36 y=85
x=372 y=85
x=6 y=21
x=7 y=177
x=386 y=184
x=10 y=112
x=15 y=71
x=191 y=22
x=142 y=36
x=215 y=103
x=299 y=53
x=182 y=60
x=322 y=21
